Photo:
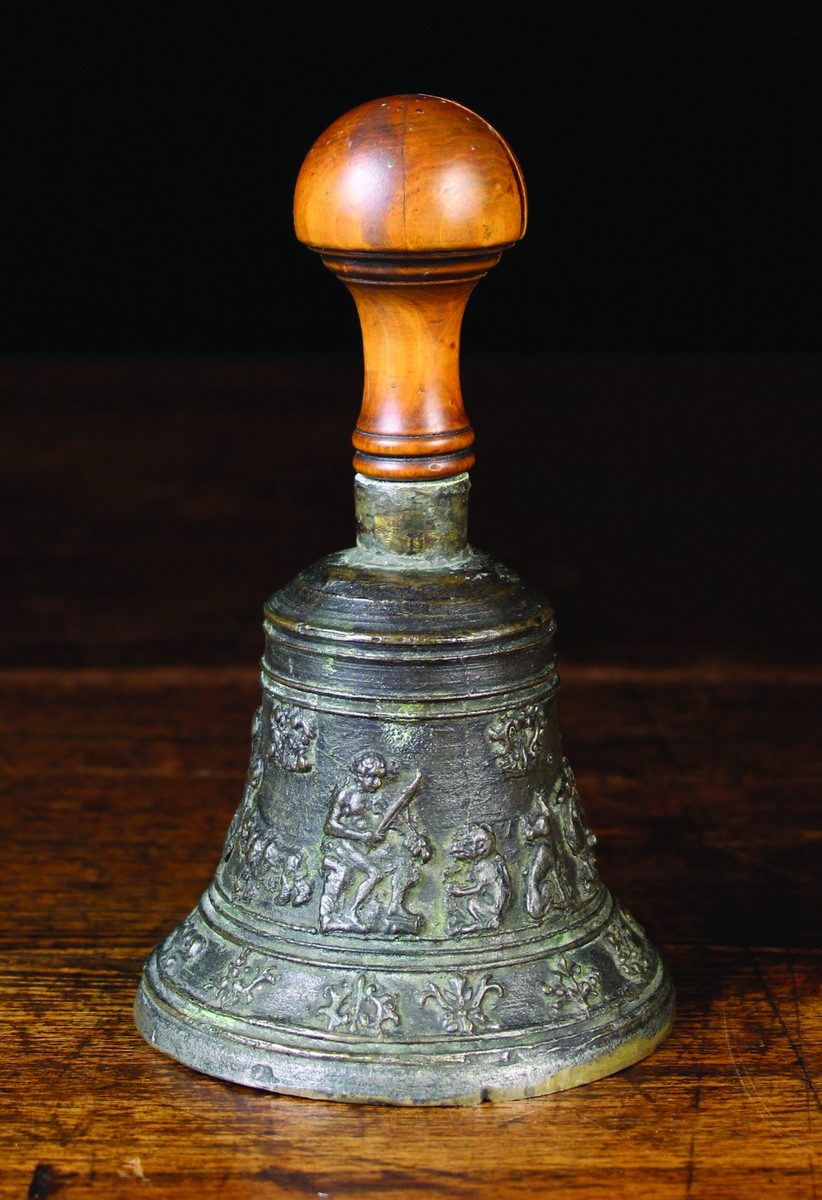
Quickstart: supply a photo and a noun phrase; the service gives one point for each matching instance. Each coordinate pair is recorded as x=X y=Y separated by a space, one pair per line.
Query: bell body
x=407 y=909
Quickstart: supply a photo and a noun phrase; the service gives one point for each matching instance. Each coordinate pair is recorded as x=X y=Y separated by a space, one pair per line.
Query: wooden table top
x=149 y=509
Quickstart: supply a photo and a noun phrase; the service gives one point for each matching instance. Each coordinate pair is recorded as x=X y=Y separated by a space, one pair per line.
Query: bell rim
x=462 y=1078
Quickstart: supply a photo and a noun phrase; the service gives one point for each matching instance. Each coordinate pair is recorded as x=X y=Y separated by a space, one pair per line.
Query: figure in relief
x=265 y=870
x=478 y=887
x=372 y=854
x=292 y=731
x=578 y=839
x=546 y=884
x=256 y=769
x=295 y=887
x=253 y=864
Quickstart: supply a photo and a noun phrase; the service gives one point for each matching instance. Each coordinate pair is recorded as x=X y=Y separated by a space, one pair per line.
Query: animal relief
x=478 y=886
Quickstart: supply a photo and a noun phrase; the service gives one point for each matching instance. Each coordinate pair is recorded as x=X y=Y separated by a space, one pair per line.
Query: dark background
x=180 y=376
x=671 y=153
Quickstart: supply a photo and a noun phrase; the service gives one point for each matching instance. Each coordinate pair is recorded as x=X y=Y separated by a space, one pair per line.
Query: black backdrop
x=670 y=151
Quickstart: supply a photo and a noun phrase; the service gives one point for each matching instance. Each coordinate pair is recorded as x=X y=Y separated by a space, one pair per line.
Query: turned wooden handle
x=410 y=200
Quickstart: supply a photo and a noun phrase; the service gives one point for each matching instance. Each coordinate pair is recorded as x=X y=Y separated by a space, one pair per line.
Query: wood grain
x=149 y=508
x=410 y=200
x=118 y=787
x=667 y=507
x=410 y=174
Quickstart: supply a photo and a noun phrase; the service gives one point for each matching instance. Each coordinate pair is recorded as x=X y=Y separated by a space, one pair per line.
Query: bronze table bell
x=407 y=909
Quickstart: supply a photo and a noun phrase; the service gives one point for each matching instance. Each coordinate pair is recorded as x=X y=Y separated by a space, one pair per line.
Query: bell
x=407 y=909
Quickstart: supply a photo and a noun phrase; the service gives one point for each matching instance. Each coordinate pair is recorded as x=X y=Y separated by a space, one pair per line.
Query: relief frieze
x=626 y=941
x=517 y=738
x=185 y=944
x=241 y=978
x=477 y=885
x=570 y=987
x=373 y=853
x=360 y=1006
x=292 y=732
x=463 y=1005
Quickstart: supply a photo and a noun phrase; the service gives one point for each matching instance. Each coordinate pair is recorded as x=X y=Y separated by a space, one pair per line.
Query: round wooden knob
x=410 y=200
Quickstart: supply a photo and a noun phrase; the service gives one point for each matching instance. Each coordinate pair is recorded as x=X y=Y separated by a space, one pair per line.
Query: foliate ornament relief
x=626 y=942
x=240 y=979
x=478 y=885
x=360 y=1007
x=464 y=1006
x=373 y=853
x=293 y=731
x=570 y=987
x=185 y=944
x=517 y=738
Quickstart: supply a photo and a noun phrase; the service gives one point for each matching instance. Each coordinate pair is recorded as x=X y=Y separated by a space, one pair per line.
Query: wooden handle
x=410 y=200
